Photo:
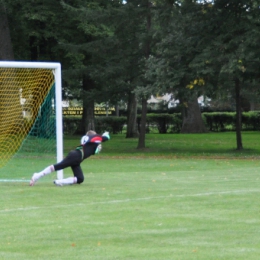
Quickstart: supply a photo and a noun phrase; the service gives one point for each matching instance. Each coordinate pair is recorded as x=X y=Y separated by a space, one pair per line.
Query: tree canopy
x=127 y=50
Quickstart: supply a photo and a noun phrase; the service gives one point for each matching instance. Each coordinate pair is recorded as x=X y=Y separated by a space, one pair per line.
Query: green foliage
x=107 y=41
x=162 y=122
x=71 y=125
x=218 y=121
x=223 y=121
x=111 y=124
x=251 y=120
x=178 y=44
x=167 y=123
x=36 y=29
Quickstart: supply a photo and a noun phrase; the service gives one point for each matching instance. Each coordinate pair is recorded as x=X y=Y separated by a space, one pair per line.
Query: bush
x=176 y=123
x=251 y=120
x=218 y=121
x=71 y=124
x=112 y=124
x=223 y=121
x=162 y=122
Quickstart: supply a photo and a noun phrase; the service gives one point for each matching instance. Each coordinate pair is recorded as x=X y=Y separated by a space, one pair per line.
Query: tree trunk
x=131 y=130
x=7 y=87
x=6 y=49
x=141 y=140
x=192 y=119
x=147 y=51
x=88 y=118
x=238 y=115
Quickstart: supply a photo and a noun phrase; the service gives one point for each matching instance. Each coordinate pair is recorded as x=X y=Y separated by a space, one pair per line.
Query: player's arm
x=84 y=139
x=105 y=137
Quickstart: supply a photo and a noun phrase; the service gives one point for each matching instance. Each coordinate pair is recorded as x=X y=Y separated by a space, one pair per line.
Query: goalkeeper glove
x=106 y=134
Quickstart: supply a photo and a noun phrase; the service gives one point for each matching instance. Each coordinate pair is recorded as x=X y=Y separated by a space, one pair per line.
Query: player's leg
x=78 y=177
x=74 y=162
x=66 y=181
x=78 y=173
x=74 y=157
x=36 y=176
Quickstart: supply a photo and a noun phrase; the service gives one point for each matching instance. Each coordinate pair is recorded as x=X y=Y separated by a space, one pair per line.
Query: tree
x=147 y=52
x=126 y=53
x=6 y=53
x=229 y=56
x=46 y=31
x=36 y=27
x=6 y=48
x=85 y=55
x=119 y=55
x=170 y=67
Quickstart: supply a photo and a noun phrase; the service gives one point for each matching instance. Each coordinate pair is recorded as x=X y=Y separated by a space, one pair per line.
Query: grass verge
x=168 y=201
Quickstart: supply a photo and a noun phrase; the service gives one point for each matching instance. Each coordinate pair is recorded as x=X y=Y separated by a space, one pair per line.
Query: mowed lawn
x=172 y=200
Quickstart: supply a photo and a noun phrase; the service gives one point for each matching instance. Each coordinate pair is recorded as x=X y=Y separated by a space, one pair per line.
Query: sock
x=46 y=171
x=67 y=181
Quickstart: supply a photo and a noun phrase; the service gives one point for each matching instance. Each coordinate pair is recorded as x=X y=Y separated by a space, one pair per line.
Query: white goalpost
x=27 y=83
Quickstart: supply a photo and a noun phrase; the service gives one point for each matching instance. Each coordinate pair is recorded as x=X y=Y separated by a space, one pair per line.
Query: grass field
x=183 y=197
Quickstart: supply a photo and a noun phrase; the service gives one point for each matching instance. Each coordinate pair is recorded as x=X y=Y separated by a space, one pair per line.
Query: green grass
x=210 y=145
x=184 y=197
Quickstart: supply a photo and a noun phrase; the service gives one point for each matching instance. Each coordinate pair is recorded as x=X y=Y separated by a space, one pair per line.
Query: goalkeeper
x=90 y=145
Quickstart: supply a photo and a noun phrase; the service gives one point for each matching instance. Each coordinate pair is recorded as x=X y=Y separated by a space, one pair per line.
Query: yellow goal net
x=28 y=110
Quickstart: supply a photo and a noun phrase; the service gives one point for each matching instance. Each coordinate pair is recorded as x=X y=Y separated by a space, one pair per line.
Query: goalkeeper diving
x=90 y=145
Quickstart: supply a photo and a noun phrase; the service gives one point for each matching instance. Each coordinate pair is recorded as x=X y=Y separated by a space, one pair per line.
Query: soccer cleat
x=57 y=183
x=33 y=179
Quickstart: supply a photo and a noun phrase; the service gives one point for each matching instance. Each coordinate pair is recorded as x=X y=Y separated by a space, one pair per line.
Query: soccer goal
x=30 y=111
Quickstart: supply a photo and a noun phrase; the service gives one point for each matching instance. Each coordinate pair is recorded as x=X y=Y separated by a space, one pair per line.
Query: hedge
x=113 y=124
x=167 y=123
x=226 y=121
x=163 y=122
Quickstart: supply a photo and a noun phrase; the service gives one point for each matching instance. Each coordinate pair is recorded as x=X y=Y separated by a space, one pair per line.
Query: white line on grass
x=8 y=180
x=131 y=200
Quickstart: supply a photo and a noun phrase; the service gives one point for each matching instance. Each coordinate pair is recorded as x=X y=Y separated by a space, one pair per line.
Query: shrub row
x=168 y=123
x=226 y=121
x=113 y=124
x=162 y=122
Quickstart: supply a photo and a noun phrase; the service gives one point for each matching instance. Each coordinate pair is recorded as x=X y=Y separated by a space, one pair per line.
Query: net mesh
x=27 y=118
